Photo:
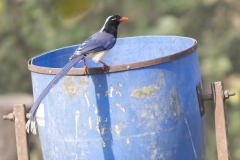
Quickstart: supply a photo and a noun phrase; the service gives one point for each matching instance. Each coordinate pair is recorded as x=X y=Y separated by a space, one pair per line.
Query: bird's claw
x=105 y=68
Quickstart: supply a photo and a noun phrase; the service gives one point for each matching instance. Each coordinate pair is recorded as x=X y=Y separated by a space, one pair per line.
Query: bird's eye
x=113 y=19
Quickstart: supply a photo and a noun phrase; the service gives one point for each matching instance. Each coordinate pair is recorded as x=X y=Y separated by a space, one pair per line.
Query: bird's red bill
x=123 y=19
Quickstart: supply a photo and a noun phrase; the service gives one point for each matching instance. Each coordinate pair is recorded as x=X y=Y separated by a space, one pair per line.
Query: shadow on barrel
x=104 y=118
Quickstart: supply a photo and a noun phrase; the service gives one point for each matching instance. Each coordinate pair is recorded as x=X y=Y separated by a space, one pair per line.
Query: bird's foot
x=104 y=67
x=85 y=68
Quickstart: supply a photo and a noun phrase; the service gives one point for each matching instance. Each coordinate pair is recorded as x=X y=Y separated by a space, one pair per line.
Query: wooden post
x=19 y=112
x=18 y=116
x=220 y=120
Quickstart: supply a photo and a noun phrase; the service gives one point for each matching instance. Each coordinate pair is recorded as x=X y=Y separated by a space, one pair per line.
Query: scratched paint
x=103 y=130
x=144 y=91
x=105 y=119
x=103 y=142
x=98 y=119
x=106 y=93
x=76 y=122
x=117 y=130
x=154 y=154
x=111 y=91
x=121 y=107
x=86 y=97
x=120 y=84
x=161 y=79
x=70 y=87
x=171 y=100
x=190 y=135
x=98 y=129
x=98 y=95
x=128 y=141
x=90 y=122
x=95 y=108
x=118 y=92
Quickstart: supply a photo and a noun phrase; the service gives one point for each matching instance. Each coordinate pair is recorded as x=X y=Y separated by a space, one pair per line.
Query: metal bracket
x=219 y=97
x=18 y=117
x=206 y=97
x=200 y=100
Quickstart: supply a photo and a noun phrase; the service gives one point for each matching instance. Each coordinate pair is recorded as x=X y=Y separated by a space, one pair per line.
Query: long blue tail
x=55 y=80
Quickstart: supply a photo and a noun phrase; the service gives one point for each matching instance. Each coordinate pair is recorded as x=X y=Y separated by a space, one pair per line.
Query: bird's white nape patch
x=97 y=56
x=105 y=23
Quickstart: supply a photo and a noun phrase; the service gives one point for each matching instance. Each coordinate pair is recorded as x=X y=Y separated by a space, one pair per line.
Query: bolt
x=206 y=97
x=128 y=67
x=10 y=117
x=227 y=94
x=5 y=117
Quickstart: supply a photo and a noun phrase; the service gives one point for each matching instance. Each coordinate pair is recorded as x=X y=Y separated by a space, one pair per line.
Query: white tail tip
x=31 y=124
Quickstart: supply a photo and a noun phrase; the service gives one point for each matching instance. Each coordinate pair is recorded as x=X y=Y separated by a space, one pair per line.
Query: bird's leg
x=104 y=65
x=85 y=66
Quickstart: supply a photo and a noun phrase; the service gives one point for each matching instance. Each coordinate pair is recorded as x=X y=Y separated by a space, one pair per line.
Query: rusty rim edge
x=117 y=68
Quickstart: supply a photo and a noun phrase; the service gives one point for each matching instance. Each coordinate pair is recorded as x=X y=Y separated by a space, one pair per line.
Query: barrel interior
x=126 y=51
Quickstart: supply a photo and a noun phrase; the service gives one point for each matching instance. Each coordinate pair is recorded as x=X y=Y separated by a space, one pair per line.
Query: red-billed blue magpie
x=94 y=47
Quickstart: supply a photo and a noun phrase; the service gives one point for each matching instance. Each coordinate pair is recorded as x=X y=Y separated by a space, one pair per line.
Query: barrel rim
x=117 y=68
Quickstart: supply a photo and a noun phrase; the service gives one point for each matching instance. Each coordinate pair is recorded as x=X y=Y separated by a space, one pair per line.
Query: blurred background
x=31 y=27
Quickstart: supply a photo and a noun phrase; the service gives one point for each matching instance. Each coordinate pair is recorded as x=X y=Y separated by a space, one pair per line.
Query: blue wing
x=100 y=41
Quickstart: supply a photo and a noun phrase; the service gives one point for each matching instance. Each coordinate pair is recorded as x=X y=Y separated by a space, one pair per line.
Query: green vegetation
x=31 y=27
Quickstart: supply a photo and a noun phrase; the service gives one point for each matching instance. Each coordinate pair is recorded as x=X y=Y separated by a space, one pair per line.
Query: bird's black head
x=111 y=24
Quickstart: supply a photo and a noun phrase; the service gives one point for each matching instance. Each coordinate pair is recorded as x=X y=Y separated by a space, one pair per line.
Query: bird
x=95 y=47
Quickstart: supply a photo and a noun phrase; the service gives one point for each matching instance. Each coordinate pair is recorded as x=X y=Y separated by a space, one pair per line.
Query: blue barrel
x=144 y=108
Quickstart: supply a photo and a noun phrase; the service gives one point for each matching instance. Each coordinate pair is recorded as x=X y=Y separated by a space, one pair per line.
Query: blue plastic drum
x=144 y=108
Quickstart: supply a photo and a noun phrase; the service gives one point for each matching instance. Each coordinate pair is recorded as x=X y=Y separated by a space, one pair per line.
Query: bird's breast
x=97 y=56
